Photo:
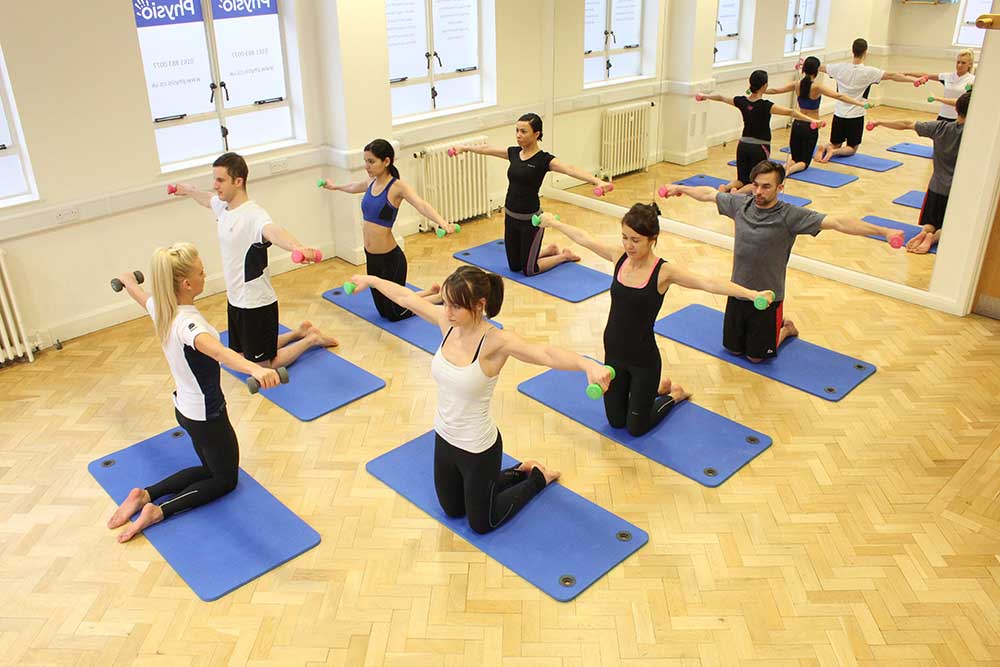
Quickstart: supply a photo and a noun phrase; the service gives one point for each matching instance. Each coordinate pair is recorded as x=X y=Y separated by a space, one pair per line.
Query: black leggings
x=473 y=485
x=802 y=141
x=390 y=266
x=215 y=444
x=631 y=400
x=523 y=242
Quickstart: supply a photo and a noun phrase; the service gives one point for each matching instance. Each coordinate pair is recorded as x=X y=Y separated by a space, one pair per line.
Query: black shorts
x=848 y=130
x=933 y=209
x=747 y=157
x=253 y=332
x=751 y=332
x=803 y=142
x=522 y=242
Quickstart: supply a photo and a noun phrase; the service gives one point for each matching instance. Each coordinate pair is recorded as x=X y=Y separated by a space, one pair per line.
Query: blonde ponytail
x=170 y=266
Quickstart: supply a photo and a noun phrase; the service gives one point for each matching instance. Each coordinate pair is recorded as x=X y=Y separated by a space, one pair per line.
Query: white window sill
x=202 y=161
x=18 y=200
x=617 y=82
x=731 y=63
x=451 y=111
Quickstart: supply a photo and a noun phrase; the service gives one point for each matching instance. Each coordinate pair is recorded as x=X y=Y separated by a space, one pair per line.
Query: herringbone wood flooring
x=871 y=194
x=867 y=534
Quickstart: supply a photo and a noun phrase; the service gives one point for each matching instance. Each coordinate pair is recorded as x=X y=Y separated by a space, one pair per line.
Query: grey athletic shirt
x=764 y=239
x=947 y=138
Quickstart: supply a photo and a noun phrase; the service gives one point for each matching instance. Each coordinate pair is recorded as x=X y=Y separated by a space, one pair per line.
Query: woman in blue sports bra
x=808 y=95
x=384 y=193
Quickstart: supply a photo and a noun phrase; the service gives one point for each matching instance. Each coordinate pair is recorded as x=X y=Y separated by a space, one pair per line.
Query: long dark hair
x=382 y=149
x=468 y=284
x=644 y=219
x=758 y=80
x=535 y=121
x=810 y=68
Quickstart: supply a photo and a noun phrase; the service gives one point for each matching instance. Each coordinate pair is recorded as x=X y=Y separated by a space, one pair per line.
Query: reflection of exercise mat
x=413 y=330
x=218 y=547
x=802 y=365
x=319 y=382
x=861 y=161
x=918 y=150
x=909 y=231
x=913 y=199
x=560 y=541
x=568 y=281
x=691 y=440
x=713 y=182
x=816 y=176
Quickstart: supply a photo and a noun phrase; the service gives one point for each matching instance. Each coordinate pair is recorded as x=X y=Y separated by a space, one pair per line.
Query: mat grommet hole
x=624 y=536
x=859 y=367
x=177 y=434
x=752 y=439
x=107 y=463
x=465 y=254
x=500 y=242
x=567 y=581
x=831 y=390
x=710 y=472
x=337 y=292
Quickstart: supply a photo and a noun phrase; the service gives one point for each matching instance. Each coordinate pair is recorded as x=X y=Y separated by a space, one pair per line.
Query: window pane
x=174 y=58
x=406 y=21
x=459 y=91
x=259 y=127
x=594 y=23
x=626 y=64
x=809 y=37
x=5 y=136
x=809 y=11
x=790 y=42
x=970 y=36
x=790 y=17
x=409 y=100
x=593 y=69
x=11 y=176
x=189 y=140
x=727 y=50
x=456 y=34
x=626 y=22
x=728 y=20
x=973 y=8
x=248 y=43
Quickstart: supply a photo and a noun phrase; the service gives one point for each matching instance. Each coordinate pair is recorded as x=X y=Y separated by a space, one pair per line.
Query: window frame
x=18 y=146
x=618 y=51
x=729 y=37
x=798 y=30
x=963 y=22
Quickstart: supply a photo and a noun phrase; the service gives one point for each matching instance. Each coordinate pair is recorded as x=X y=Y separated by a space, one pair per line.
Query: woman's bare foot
x=149 y=515
x=678 y=393
x=664 y=388
x=527 y=465
x=133 y=503
x=549 y=475
x=570 y=255
x=304 y=328
x=321 y=339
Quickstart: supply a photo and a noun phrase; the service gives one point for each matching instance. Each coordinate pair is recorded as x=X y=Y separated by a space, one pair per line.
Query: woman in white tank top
x=468 y=448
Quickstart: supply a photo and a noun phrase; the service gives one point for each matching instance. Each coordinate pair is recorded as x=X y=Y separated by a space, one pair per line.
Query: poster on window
x=174 y=56
x=406 y=25
x=248 y=43
x=594 y=25
x=456 y=35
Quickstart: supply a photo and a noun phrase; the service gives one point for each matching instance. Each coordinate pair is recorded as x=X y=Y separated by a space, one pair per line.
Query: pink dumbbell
x=452 y=152
x=698 y=97
x=663 y=192
x=817 y=124
x=870 y=126
x=298 y=257
x=600 y=191
x=896 y=242
x=921 y=81
x=171 y=189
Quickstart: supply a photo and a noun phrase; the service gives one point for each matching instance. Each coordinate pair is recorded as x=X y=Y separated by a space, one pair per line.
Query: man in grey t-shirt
x=947 y=138
x=765 y=231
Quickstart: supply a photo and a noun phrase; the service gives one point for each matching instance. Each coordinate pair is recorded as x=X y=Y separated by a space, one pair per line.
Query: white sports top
x=244 y=253
x=464 y=393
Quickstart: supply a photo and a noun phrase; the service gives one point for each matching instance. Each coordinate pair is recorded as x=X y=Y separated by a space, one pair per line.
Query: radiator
x=625 y=138
x=12 y=337
x=455 y=186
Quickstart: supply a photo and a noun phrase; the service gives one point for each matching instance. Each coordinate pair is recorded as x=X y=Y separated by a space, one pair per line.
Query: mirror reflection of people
x=955 y=83
x=947 y=138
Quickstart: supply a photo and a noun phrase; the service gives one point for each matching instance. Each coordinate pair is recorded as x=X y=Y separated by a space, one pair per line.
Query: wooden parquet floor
x=871 y=194
x=867 y=534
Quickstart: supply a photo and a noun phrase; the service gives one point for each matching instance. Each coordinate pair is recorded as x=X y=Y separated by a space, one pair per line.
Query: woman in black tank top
x=637 y=398
x=528 y=166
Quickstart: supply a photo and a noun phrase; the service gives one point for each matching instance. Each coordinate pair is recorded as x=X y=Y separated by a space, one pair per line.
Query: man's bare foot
x=304 y=328
x=149 y=515
x=916 y=240
x=724 y=187
x=678 y=393
x=570 y=255
x=789 y=328
x=133 y=503
x=664 y=388
x=321 y=339
x=549 y=250
x=925 y=245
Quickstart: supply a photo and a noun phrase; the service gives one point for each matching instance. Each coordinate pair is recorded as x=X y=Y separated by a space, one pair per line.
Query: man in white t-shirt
x=955 y=83
x=854 y=79
x=245 y=233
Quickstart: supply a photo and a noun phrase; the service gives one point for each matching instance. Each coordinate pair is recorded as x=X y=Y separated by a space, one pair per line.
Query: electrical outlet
x=65 y=215
x=278 y=166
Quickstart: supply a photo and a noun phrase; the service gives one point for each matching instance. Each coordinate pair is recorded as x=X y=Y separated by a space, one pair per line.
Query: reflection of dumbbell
x=921 y=81
x=171 y=189
x=602 y=190
x=594 y=390
x=299 y=257
x=118 y=285
x=869 y=105
x=698 y=97
x=749 y=92
x=452 y=152
x=321 y=183
x=930 y=98
x=441 y=233
x=896 y=242
x=349 y=288
x=537 y=219
x=663 y=192
x=817 y=124
x=254 y=386
x=968 y=87
x=870 y=126
x=760 y=302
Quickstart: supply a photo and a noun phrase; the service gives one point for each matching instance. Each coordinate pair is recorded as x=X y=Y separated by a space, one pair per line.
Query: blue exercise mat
x=861 y=161
x=319 y=382
x=913 y=199
x=803 y=365
x=691 y=440
x=713 y=182
x=816 y=176
x=919 y=150
x=569 y=281
x=413 y=330
x=560 y=541
x=909 y=231
x=218 y=547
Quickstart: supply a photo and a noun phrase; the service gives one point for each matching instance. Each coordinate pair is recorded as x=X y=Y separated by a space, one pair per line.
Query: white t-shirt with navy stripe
x=244 y=253
x=853 y=80
x=198 y=395
x=954 y=87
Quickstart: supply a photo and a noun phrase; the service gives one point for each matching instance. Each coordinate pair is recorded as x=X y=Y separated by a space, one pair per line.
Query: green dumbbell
x=594 y=390
x=930 y=98
x=760 y=302
x=869 y=105
x=349 y=288
x=321 y=183
x=537 y=219
x=968 y=87
x=441 y=233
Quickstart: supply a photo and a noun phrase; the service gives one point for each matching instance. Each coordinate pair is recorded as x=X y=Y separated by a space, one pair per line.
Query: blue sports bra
x=376 y=209
x=808 y=104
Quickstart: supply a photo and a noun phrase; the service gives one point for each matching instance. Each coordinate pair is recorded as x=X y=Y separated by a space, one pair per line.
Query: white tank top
x=464 y=393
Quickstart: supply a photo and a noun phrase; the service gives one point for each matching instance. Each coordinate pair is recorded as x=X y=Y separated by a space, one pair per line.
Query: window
x=966 y=32
x=803 y=28
x=612 y=39
x=434 y=55
x=215 y=75
x=16 y=182
x=727 y=31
